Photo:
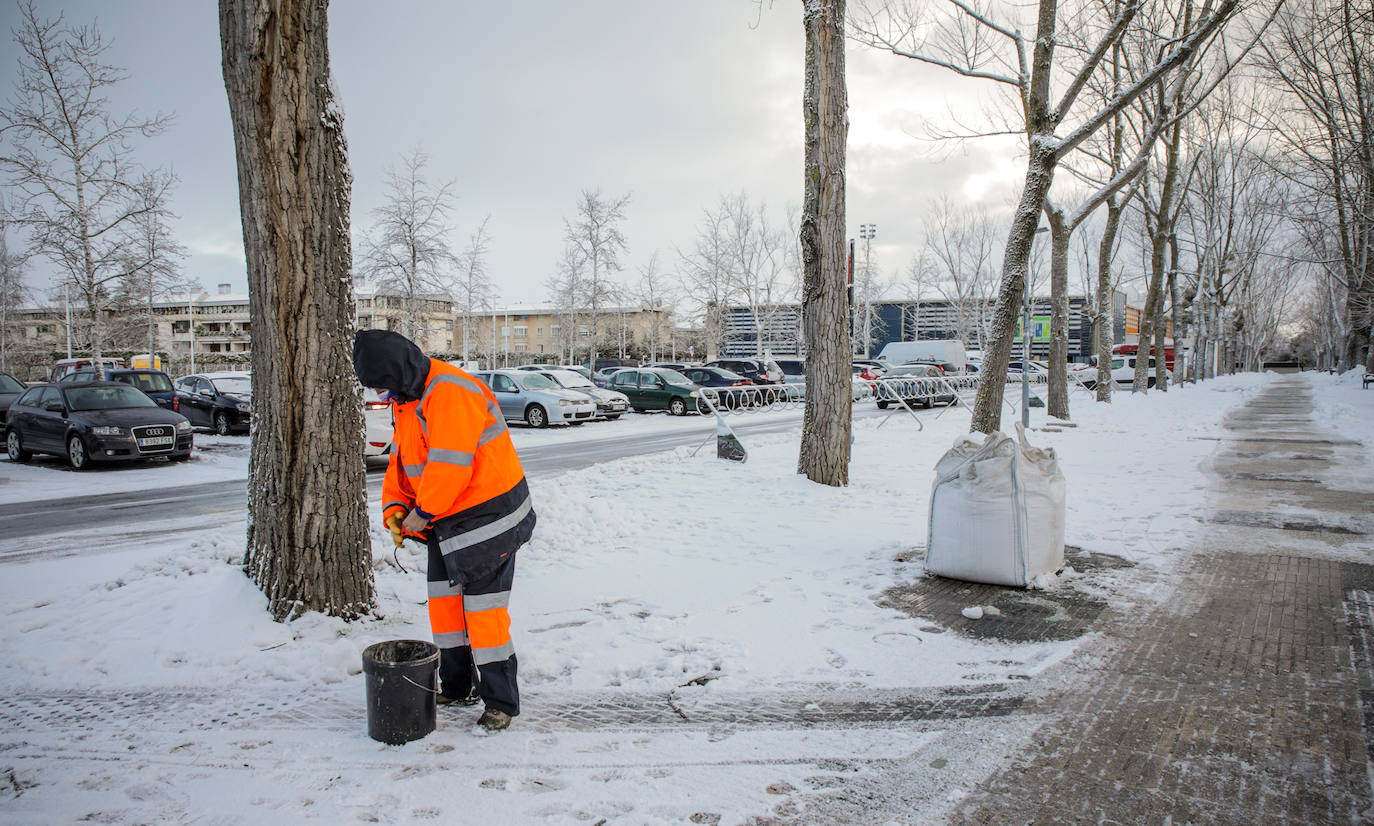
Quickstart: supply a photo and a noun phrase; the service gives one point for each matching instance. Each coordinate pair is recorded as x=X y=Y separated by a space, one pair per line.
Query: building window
x=539 y=333
x=521 y=331
x=520 y=346
x=541 y=349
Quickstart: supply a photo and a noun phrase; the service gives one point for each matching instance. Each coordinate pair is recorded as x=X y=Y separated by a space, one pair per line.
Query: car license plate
x=155 y=441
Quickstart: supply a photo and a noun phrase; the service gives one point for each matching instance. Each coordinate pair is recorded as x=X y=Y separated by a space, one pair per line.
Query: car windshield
x=568 y=378
x=672 y=376
x=148 y=382
x=535 y=381
x=107 y=398
x=234 y=385
x=729 y=375
x=9 y=384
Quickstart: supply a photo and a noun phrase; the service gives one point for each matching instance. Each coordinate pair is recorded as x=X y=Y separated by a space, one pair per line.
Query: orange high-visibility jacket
x=452 y=458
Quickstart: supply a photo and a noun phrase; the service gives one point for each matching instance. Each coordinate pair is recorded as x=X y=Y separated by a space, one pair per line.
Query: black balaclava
x=390 y=361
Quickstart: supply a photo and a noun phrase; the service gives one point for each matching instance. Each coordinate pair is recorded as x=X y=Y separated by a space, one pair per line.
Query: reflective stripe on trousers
x=477 y=616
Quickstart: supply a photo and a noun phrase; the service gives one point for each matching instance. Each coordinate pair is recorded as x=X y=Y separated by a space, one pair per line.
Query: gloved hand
x=393 y=524
x=415 y=523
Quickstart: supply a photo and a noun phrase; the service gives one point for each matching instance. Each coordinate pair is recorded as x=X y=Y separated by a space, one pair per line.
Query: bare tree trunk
x=308 y=546
x=1105 y=301
x=987 y=410
x=1060 y=230
x=824 y=454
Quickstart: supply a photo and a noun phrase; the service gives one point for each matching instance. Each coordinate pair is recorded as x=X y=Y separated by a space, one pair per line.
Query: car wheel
x=612 y=418
x=536 y=417
x=883 y=405
x=76 y=452
x=181 y=458
x=15 y=447
x=222 y=424
x=677 y=407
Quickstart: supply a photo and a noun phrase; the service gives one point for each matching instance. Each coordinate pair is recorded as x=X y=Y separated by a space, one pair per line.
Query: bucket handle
x=417 y=685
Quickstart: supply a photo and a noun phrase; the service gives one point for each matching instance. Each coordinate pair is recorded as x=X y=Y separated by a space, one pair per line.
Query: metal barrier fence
x=900 y=392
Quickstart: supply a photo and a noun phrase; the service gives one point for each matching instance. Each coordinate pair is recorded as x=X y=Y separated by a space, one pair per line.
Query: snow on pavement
x=666 y=576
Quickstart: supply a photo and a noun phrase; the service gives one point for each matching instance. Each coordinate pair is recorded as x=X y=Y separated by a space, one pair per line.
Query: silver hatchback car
x=535 y=399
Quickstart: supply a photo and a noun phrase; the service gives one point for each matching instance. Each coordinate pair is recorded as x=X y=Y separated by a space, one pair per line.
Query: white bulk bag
x=996 y=511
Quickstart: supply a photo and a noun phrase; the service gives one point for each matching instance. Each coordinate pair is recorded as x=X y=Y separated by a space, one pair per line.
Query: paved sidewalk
x=1248 y=698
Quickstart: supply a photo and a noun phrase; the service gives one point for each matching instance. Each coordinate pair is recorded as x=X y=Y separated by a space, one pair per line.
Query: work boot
x=493 y=720
x=470 y=699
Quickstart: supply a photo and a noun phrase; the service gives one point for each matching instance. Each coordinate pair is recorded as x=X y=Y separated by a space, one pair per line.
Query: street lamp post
x=867 y=232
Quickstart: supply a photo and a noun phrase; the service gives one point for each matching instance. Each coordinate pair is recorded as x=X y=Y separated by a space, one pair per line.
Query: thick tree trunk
x=1060 y=232
x=824 y=456
x=308 y=547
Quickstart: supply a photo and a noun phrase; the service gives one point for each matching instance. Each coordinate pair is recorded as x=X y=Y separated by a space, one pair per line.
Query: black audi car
x=94 y=422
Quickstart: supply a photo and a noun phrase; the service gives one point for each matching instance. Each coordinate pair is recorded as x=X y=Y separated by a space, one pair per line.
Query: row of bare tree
x=78 y=193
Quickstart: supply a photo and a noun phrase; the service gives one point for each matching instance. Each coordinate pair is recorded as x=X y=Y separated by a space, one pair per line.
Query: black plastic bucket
x=402 y=681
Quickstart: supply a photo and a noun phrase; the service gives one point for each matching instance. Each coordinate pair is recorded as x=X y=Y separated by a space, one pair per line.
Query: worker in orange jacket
x=454 y=481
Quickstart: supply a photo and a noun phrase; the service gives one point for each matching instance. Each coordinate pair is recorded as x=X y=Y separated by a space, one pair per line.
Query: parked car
x=657 y=388
x=94 y=422
x=535 y=399
x=377 y=417
x=610 y=404
x=1039 y=371
x=947 y=368
x=580 y=369
x=65 y=366
x=759 y=371
x=866 y=372
x=793 y=369
x=720 y=379
x=10 y=389
x=878 y=366
x=602 y=377
x=157 y=384
x=903 y=383
x=220 y=401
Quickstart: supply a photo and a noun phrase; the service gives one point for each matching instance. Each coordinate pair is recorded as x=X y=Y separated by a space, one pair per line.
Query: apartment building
x=544 y=333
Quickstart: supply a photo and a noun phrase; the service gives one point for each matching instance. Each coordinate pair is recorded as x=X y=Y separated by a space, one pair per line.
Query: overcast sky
x=525 y=105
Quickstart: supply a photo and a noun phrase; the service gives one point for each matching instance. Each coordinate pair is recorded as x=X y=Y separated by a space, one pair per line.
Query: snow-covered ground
x=678 y=577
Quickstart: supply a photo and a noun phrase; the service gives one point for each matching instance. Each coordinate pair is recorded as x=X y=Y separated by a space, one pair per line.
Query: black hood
x=390 y=361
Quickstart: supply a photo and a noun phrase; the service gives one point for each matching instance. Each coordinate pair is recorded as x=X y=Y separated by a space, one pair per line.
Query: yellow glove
x=393 y=524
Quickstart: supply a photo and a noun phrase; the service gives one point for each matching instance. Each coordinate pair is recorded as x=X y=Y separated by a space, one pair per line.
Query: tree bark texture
x=824 y=456
x=1105 y=301
x=308 y=546
x=1058 y=404
x=987 y=410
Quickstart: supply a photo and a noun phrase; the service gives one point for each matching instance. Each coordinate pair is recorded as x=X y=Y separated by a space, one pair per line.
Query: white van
x=941 y=351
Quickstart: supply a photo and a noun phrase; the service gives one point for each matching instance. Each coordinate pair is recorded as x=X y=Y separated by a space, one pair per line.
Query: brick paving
x=1249 y=697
